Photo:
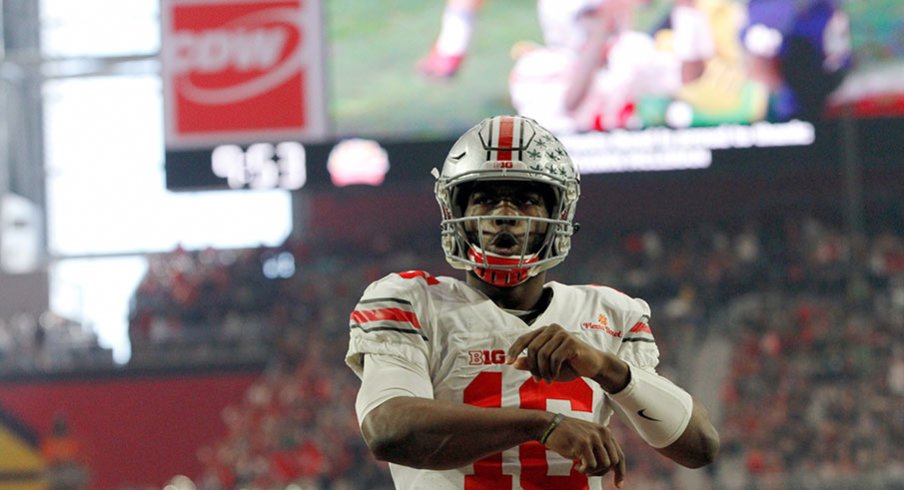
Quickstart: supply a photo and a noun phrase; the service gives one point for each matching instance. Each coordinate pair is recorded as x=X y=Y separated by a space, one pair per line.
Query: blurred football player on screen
x=800 y=50
x=594 y=64
x=559 y=22
x=505 y=380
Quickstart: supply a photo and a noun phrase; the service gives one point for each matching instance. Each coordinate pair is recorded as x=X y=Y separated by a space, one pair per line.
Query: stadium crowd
x=813 y=392
x=811 y=396
x=49 y=343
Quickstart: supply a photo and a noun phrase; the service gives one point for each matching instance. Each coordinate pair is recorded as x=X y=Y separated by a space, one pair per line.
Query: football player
x=592 y=78
x=503 y=379
x=800 y=50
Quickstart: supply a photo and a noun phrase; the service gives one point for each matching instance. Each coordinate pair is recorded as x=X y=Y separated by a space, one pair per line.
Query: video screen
x=411 y=69
x=627 y=85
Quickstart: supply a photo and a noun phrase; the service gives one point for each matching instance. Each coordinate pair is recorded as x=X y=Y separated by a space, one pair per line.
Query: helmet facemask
x=531 y=156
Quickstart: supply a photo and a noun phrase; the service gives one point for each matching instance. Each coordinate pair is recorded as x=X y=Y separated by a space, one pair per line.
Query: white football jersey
x=459 y=336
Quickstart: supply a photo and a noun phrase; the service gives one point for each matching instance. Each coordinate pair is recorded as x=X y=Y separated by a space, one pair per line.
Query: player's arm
x=401 y=423
x=698 y=444
x=433 y=434
x=660 y=410
x=662 y=413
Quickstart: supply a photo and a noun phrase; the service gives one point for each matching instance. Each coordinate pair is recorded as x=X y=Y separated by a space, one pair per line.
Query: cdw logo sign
x=242 y=71
x=240 y=50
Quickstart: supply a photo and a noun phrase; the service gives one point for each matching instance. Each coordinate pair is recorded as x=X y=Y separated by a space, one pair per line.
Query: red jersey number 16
x=486 y=391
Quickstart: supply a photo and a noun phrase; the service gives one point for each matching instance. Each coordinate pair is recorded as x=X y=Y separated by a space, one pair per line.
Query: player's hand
x=554 y=354
x=591 y=445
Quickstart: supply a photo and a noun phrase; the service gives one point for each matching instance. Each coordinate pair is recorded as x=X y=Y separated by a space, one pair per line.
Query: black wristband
x=552 y=426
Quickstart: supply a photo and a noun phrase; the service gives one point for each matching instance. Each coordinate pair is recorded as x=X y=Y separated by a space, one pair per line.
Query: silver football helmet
x=507 y=148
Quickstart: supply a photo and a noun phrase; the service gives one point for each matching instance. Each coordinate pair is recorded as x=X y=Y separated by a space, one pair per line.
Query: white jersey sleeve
x=388 y=321
x=388 y=377
x=638 y=346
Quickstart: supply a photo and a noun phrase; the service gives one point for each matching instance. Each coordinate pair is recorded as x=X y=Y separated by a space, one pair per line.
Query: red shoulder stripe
x=641 y=327
x=392 y=314
x=431 y=281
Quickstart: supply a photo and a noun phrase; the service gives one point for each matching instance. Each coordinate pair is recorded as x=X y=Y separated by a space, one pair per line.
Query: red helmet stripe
x=506 y=137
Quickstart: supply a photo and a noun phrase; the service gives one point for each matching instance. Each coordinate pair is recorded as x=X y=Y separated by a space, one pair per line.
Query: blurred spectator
x=49 y=343
x=63 y=454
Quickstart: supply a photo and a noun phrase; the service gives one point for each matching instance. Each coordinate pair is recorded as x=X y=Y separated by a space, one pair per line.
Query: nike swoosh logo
x=642 y=414
x=458 y=157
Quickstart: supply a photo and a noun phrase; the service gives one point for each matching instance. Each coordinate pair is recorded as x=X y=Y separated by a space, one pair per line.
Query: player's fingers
x=611 y=458
x=533 y=352
x=531 y=360
x=603 y=459
x=520 y=363
x=530 y=350
x=621 y=467
x=617 y=458
x=545 y=364
x=564 y=351
x=588 y=460
x=520 y=344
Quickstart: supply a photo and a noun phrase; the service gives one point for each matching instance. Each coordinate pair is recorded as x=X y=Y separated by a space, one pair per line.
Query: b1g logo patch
x=486 y=357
